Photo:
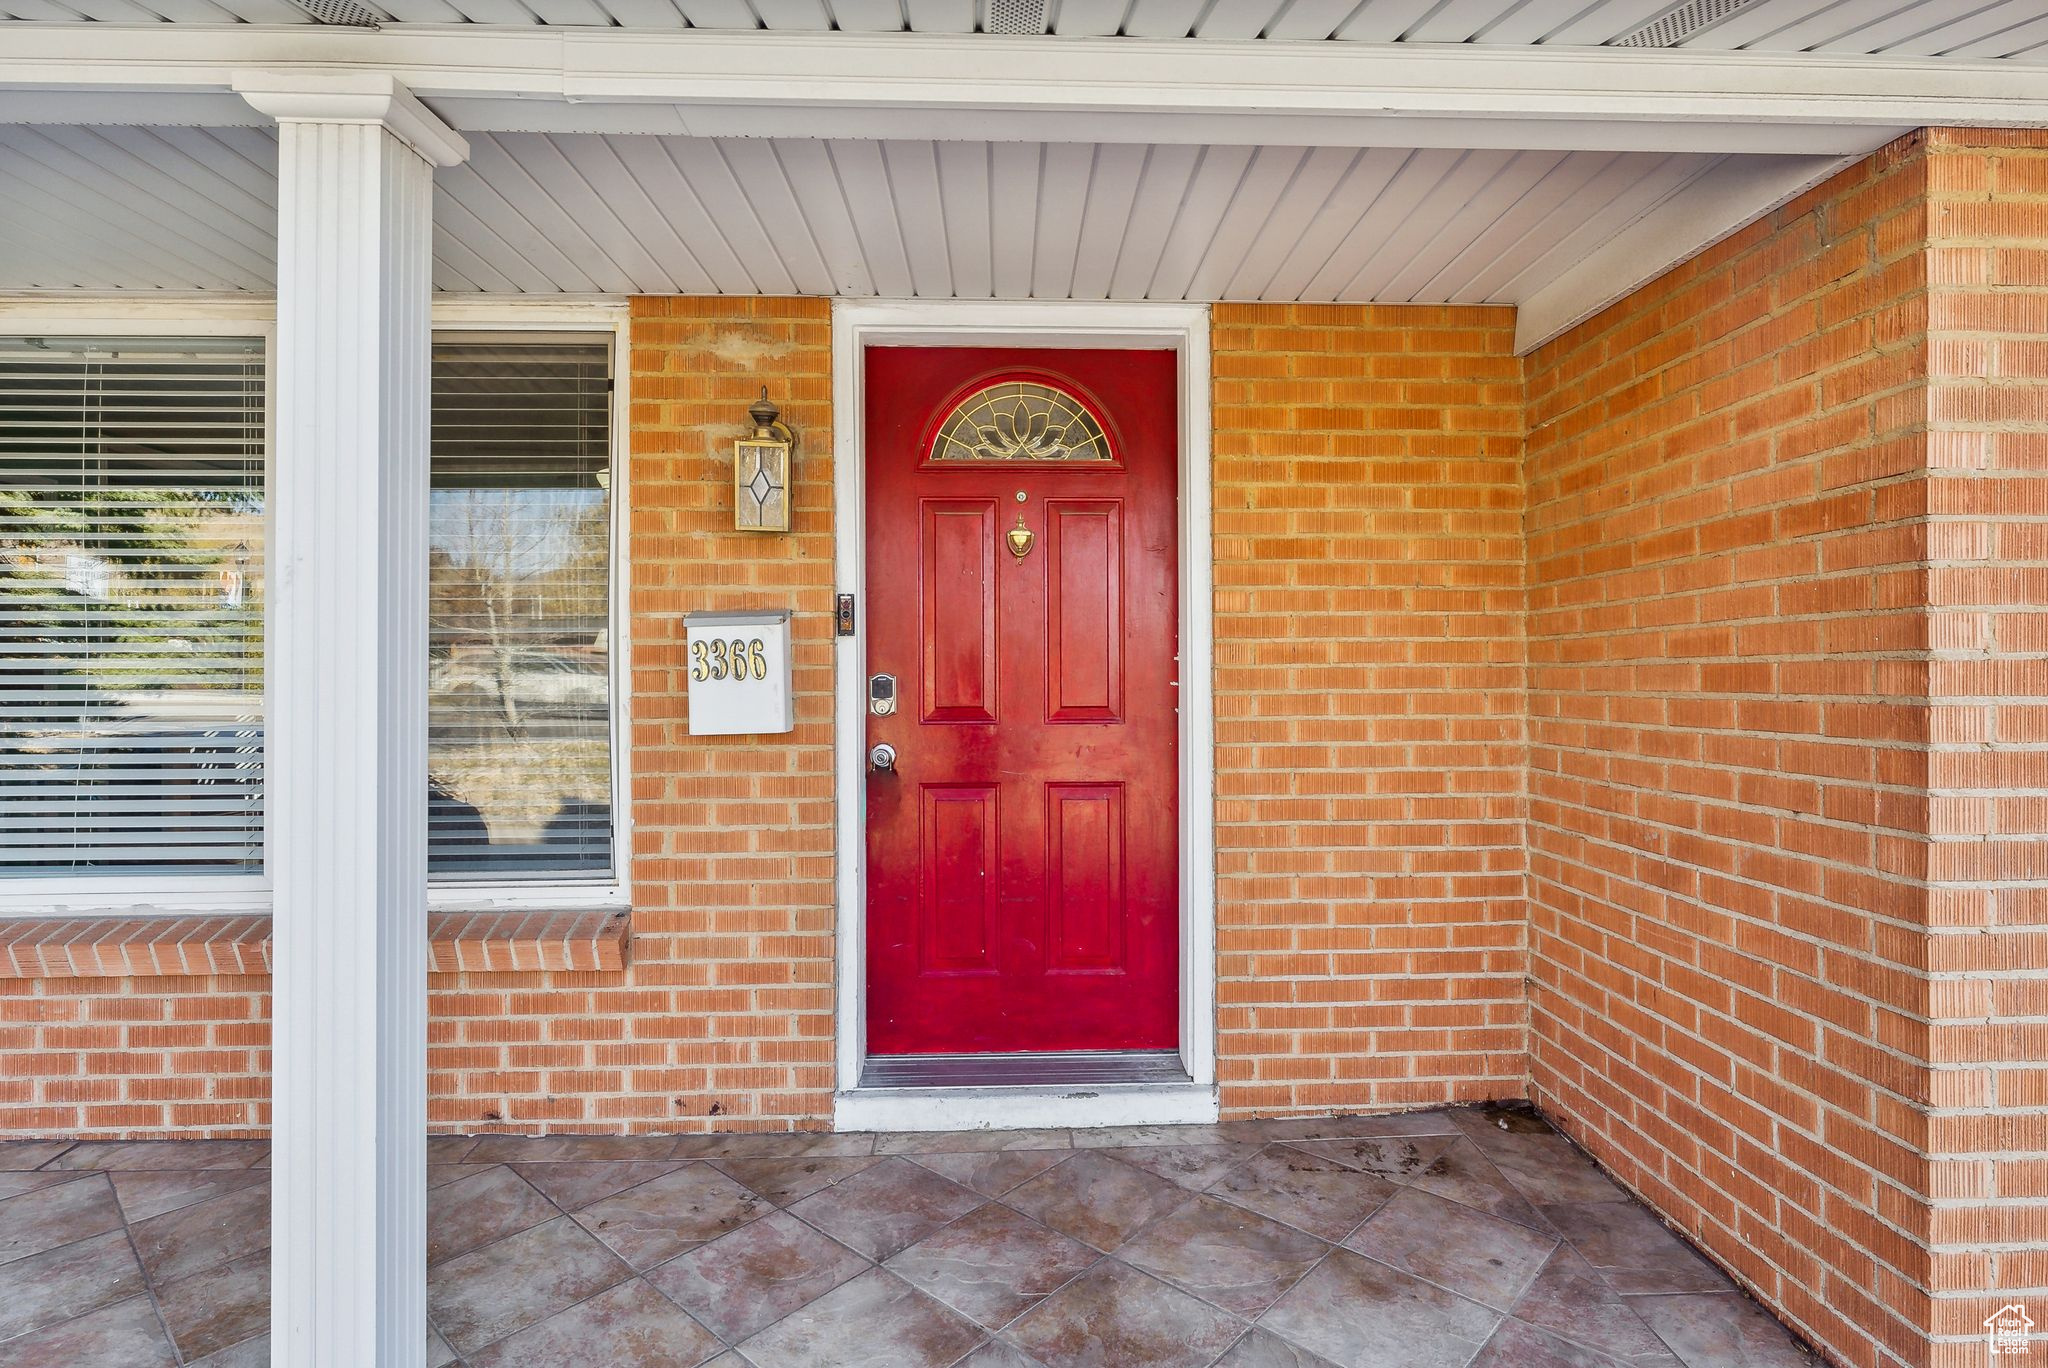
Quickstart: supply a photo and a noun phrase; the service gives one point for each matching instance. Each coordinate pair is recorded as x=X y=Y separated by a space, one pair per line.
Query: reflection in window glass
x=519 y=677
x=131 y=606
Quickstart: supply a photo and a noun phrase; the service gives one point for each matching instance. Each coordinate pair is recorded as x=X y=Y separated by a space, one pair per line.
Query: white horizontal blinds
x=519 y=678
x=131 y=606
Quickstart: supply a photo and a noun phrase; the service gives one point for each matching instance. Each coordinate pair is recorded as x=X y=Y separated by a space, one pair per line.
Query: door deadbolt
x=882 y=694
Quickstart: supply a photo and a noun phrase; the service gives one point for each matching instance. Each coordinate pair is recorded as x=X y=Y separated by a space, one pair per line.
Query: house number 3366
x=735 y=659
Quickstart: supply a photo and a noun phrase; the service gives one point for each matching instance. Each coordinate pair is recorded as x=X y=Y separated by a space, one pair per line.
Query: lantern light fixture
x=760 y=470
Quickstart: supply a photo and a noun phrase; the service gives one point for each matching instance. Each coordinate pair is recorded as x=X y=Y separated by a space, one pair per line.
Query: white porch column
x=347 y=765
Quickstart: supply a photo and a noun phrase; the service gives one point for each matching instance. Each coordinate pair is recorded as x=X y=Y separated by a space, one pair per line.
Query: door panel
x=959 y=643
x=957 y=902
x=1022 y=861
x=1084 y=610
x=1086 y=858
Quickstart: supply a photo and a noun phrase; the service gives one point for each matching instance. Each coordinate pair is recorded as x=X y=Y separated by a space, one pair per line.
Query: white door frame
x=1184 y=330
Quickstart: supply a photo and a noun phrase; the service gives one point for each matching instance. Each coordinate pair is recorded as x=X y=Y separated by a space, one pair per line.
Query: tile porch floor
x=1431 y=1240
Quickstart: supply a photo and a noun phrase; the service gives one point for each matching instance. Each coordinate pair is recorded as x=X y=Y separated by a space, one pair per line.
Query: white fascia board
x=1717 y=203
x=1035 y=89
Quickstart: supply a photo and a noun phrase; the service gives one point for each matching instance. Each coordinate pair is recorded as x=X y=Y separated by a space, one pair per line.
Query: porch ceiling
x=1962 y=28
x=188 y=208
x=1515 y=168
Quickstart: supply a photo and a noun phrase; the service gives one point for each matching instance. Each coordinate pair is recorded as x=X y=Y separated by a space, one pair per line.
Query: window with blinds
x=519 y=678
x=131 y=606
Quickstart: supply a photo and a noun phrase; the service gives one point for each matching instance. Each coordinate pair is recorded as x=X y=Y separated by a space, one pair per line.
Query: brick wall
x=1785 y=525
x=724 y=1015
x=1988 y=697
x=135 y=1056
x=1728 y=747
x=1369 y=706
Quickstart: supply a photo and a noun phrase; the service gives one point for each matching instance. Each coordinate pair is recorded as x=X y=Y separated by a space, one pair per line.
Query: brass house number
x=737 y=659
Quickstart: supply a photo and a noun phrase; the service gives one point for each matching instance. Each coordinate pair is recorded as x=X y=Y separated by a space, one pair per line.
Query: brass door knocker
x=1020 y=538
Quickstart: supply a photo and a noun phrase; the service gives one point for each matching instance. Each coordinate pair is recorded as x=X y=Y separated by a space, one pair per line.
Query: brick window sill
x=496 y=941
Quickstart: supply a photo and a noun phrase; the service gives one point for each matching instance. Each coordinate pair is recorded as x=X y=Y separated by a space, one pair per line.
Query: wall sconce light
x=760 y=471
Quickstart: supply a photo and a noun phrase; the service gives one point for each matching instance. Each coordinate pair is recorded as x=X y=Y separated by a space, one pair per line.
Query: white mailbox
x=739 y=673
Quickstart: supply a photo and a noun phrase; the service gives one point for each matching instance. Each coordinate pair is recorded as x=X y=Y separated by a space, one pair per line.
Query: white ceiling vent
x=343 y=13
x=1013 y=16
x=1681 y=22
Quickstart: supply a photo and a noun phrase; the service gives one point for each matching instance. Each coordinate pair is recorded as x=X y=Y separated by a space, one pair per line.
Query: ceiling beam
x=1698 y=214
x=1052 y=89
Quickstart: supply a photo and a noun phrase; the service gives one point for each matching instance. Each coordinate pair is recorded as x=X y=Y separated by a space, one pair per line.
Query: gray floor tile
x=1321 y=1196
x=771 y=1145
x=1490 y=1120
x=144 y=1193
x=1722 y=1330
x=14 y=1182
x=250 y=1353
x=992 y=1265
x=67 y=1281
x=1114 y=1316
x=440 y=1175
x=449 y=1149
x=1190 y=1166
x=1096 y=1199
x=1633 y=1250
x=1471 y=1253
x=203 y=1235
x=1468 y=1177
x=656 y=1221
x=991 y=1174
x=573 y=1185
x=21 y=1155
x=1124 y=1137
x=499 y=1290
x=1360 y=1313
x=126 y=1334
x=542 y=1149
x=1570 y=1299
x=628 y=1326
x=53 y=1216
x=217 y=1308
x=1547 y=1168
x=1264 y=1349
x=972 y=1142
x=888 y=1207
x=748 y=1280
x=1281 y=1129
x=255 y=1353
x=1398 y=1158
x=875 y=1321
x=1224 y=1254
x=1519 y=1345
x=474 y=1211
x=783 y=1181
x=163 y=1154
x=996 y=1354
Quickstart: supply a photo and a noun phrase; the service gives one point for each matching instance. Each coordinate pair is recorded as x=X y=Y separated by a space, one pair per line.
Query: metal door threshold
x=1066 y=1069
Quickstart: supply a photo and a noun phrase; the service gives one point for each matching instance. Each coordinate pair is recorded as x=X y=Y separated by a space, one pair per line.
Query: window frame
x=115 y=895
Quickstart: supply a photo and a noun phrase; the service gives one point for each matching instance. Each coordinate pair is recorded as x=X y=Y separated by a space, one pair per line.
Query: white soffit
x=2016 y=29
x=194 y=209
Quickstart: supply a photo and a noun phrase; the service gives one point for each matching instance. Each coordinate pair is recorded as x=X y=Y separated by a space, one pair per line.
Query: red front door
x=1022 y=863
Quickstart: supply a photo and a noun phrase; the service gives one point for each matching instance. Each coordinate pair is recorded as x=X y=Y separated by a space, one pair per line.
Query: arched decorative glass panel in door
x=1020 y=420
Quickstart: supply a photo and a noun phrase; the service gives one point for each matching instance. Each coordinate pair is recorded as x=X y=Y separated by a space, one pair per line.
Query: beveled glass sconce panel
x=760 y=478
